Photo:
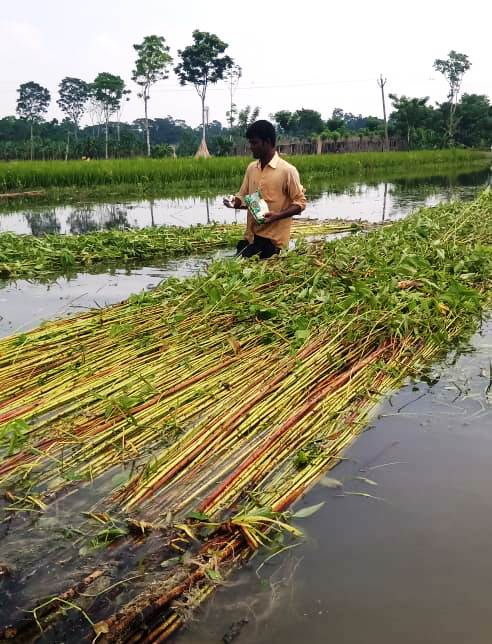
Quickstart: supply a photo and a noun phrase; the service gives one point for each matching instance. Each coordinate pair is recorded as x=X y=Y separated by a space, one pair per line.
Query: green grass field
x=145 y=173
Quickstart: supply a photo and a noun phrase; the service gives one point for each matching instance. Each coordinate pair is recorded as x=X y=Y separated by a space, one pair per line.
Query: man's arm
x=295 y=209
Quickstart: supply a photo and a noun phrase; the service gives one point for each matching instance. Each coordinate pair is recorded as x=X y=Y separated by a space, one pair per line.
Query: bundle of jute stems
x=54 y=254
x=204 y=392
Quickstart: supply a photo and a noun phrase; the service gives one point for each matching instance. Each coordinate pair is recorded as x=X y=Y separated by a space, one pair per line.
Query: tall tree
x=410 y=115
x=337 y=121
x=308 y=122
x=202 y=64
x=474 y=121
x=73 y=96
x=151 y=66
x=232 y=77
x=108 y=91
x=303 y=122
x=453 y=69
x=32 y=103
x=285 y=121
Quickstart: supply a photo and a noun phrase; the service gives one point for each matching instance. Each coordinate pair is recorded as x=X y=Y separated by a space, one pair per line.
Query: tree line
x=458 y=121
x=418 y=124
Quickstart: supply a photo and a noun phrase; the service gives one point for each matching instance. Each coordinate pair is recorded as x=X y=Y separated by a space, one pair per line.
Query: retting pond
x=24 y=304
x=374 y=202
x=400 y=550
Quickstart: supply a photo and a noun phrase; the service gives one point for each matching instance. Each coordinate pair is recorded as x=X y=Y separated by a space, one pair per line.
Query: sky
x=312 y=54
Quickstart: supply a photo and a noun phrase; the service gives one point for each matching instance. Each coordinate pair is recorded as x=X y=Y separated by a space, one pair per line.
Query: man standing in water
x=279 y=185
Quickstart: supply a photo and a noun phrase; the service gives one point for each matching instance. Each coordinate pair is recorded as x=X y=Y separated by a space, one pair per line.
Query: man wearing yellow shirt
x=279 y=185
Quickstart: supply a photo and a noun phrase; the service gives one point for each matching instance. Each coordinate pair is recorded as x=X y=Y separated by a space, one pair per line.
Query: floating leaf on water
x=328 y=481
x=48 y=522
x=71 y=475
x=377 y=467
x=363 y=479
x=364 y=494
x=303 y=513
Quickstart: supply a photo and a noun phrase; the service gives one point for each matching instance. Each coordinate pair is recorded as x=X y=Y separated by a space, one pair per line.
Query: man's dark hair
x=262 y=130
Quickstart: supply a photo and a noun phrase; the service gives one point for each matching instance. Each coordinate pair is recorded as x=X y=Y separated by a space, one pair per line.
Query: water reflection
x=152 y=220
x=43 y=223
x=372 y=200
x=116 y=217
x=385 y=199
x=82 y=220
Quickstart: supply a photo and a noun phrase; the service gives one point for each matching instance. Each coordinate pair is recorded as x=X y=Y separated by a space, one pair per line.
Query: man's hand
x=232 y=203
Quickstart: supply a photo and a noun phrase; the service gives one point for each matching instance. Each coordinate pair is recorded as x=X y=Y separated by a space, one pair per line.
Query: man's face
x=258 y=147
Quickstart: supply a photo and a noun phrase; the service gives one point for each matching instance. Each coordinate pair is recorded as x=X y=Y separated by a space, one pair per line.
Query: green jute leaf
x=214 y=575
x=199 y=516
x=302 y=334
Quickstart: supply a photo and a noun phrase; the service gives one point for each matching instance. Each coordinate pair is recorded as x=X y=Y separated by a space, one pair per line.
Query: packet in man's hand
x=257 y=206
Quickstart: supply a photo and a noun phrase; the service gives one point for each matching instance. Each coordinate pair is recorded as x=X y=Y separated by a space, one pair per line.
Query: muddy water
x=24 y=304
x=412 y=565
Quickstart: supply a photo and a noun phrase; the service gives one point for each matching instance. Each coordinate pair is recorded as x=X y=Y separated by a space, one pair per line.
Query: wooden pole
x=382 y=82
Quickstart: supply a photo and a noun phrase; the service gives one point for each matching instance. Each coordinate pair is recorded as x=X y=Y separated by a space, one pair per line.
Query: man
x=279 y=185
